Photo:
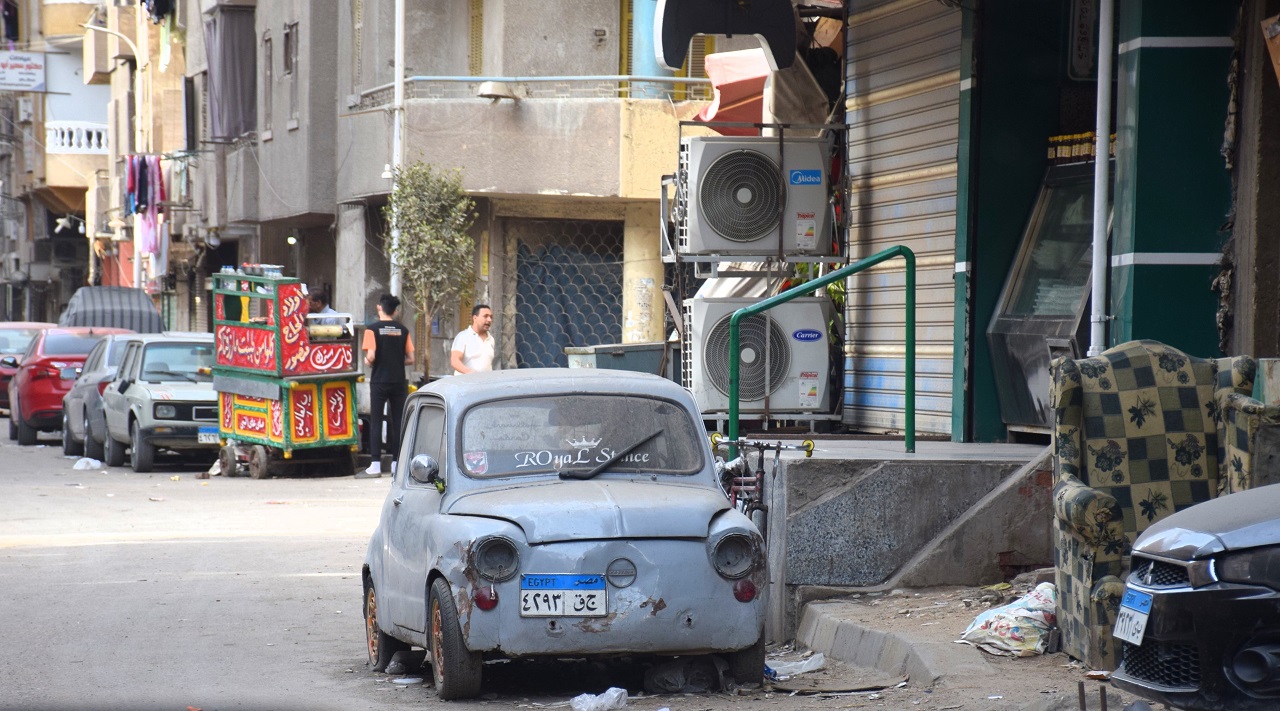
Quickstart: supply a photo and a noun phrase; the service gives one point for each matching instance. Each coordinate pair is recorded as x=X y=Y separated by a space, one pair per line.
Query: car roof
x=464 y=390
x=178 y=336
x=84 y=330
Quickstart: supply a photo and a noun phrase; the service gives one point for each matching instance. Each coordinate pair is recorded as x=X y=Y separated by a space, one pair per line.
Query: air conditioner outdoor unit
x=734 y=194
x=783 y=354
x=67 y=253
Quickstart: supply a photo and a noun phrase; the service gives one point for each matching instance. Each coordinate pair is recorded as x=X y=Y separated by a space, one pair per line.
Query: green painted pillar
x=1172 y=192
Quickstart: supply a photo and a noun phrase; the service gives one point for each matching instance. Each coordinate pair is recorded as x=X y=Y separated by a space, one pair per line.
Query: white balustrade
x=75 y=137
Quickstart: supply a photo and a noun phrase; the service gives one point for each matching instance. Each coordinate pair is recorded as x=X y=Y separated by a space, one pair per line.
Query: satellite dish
x=773 y=22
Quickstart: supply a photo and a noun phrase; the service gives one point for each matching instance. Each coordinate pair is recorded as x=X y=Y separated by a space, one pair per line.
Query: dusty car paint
x=666 y=526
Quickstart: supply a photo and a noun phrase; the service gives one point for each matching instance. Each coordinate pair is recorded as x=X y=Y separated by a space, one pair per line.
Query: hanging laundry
x=144 y=195
x=158 y=10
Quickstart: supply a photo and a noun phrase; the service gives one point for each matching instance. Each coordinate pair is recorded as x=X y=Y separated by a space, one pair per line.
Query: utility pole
x=397 y=138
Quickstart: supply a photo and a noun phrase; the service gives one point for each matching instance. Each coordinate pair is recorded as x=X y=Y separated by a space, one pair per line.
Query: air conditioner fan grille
x=756 y=333
x=740 y=196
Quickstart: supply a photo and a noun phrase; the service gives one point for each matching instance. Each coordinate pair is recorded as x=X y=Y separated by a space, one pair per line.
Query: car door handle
x=398 y=500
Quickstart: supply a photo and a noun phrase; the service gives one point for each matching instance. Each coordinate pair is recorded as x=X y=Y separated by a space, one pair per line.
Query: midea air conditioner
x=783 y=354
x=735 y=193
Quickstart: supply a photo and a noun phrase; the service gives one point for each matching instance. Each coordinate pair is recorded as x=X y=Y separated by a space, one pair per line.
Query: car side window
x=94 y=359
x=129 y=356
x=428 y=435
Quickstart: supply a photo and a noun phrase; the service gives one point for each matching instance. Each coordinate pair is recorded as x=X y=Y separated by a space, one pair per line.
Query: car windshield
x=177 y=362
x=69 y=343
x=579 y=434
x=14 y=341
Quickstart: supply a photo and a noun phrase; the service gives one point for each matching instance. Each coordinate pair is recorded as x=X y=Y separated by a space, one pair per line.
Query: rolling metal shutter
x=903 y=84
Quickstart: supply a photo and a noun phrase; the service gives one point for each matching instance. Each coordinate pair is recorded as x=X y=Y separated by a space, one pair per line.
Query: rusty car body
x=559 y=512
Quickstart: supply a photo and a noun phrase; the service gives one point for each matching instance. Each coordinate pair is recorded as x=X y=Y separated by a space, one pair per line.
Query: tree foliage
x=435 y=252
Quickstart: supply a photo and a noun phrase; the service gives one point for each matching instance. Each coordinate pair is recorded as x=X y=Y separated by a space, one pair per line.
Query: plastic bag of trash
x=784 y=669
x=86 y=463
x=612 y=698
x=1019 y=629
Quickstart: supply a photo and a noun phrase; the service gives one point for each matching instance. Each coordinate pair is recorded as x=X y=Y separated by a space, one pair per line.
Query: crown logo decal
x=584 y=443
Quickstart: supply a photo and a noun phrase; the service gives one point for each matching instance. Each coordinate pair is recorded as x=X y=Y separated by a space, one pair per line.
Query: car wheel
x=92 y=448
x=456 y=669
x=259 y=462
x=26 y=433
x=143 y=456
x=747 y=665
x=70 y=446
x=13 y=425
x=382 y=646
x=113 y=452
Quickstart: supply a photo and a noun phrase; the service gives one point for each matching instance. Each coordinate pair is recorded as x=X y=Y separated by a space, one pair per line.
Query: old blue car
x=559 y=512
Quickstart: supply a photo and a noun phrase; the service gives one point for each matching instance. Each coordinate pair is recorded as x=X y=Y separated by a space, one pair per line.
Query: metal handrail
x=809 y=287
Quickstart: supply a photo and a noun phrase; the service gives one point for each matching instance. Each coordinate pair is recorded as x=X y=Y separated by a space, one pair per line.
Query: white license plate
x=563 y=596
x=207 y=435
x=1131 y=623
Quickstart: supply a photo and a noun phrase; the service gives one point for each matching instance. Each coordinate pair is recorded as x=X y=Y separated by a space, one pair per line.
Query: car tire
x=456 y=669
x=26 y=433
x=113 y=452
x=92 y=447
x=382 y=646
x=746 y=666
x=143 y=456
x=13 y=425
x=70 y=447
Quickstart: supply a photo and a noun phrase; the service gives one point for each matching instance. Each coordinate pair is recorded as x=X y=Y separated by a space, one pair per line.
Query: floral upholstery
x=1136 y=437
x=1242 y=418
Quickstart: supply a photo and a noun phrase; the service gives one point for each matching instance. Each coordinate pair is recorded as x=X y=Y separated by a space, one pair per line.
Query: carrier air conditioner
x=783 y=354
x=735 y=193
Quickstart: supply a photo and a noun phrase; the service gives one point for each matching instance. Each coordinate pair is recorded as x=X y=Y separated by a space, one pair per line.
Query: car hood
x=576 y=510
x=186 y=392
x=1243 y=520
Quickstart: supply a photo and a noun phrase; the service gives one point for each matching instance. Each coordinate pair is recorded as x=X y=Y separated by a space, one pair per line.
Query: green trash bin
x=639 y=357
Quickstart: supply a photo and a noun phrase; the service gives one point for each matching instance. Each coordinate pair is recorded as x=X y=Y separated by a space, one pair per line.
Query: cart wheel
x=259 y=463
x=227 y=461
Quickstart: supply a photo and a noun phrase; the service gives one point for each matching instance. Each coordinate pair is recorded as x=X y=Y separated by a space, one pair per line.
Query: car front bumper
x=177 y=436
x=678 y=604
x=1192 y=639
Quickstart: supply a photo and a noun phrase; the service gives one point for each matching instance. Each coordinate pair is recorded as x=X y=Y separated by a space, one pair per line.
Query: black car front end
x=1212 y=634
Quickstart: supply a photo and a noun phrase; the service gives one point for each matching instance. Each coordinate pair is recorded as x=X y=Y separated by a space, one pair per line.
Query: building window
x=291 y=40
x=268 y=83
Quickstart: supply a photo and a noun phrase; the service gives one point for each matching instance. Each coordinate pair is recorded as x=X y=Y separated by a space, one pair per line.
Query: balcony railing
x=577 y=87
x=75 y=137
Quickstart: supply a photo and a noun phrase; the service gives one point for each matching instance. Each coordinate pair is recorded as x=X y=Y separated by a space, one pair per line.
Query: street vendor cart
x=286 y=381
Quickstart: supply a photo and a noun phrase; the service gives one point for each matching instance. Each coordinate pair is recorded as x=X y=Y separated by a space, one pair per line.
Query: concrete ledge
x=824 y=628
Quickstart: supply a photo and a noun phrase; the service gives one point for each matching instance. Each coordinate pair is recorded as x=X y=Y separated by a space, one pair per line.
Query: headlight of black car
x=1260 y=566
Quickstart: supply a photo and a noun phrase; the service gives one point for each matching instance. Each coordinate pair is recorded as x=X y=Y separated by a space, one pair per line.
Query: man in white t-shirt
x=473 y=348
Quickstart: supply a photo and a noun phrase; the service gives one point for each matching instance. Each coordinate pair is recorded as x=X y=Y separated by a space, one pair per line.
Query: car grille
x=192 y=412
x=204 y=413
x=1172 y=665
x=1158 y=574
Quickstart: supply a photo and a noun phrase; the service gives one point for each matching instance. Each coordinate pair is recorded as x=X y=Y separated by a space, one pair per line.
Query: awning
x=738 y=79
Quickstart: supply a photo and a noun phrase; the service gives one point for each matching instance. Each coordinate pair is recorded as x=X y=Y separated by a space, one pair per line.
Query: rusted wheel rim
x=371 y=624
x=437 y=642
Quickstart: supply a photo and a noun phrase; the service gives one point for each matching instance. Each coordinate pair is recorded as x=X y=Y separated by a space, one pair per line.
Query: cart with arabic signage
x=286 y=380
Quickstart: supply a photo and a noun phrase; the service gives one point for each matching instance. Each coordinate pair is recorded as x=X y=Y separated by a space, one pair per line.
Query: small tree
x=435 y=253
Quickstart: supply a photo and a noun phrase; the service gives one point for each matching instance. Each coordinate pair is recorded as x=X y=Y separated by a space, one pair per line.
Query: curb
x=823 y=629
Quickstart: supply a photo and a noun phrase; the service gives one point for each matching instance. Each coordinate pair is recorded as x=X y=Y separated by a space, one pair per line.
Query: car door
x=411 y=509
x=115 y=406
x=73 y=403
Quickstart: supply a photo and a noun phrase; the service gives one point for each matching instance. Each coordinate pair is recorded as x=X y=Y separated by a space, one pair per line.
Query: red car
x=47 y=370
x=15 y=336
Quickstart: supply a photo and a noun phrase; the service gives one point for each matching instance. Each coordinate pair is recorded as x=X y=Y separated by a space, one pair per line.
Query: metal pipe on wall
x=1101 y=178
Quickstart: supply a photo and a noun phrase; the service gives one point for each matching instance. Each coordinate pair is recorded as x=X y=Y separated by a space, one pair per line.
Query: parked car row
x=110 y=391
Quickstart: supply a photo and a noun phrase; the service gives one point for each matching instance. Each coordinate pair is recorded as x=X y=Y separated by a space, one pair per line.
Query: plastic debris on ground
x=1019 y=629
x=86 y=463
x=612 y=698
x=405 y=681
x=783 y=669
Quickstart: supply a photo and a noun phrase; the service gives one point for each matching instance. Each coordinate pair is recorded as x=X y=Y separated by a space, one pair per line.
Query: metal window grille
x=357 y=42
x=568 y=288
x=475 y=57
x=268 y=80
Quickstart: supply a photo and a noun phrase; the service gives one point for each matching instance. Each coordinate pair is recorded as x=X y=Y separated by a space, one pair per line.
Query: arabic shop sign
x=22 y=71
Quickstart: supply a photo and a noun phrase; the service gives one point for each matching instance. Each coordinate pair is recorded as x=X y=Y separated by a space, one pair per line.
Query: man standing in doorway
x=473 y=347
x=388 y=348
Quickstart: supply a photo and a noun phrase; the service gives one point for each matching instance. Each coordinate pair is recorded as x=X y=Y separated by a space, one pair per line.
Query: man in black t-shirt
x=388 y=348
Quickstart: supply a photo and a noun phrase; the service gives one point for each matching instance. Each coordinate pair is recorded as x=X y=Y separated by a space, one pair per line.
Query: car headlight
x=496 y=559
x=166 y=412
x=1260 y=566
x=735 y=555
